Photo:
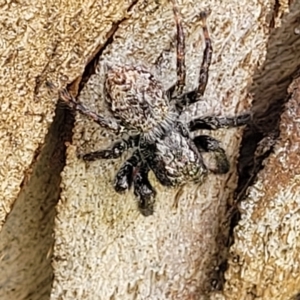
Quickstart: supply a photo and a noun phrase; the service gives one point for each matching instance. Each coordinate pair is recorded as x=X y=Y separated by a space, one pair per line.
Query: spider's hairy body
x=138 y=100
x=140 y=105
x=175 y=160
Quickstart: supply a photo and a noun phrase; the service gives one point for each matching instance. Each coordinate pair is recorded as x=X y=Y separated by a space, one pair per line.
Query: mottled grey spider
x=139 y=103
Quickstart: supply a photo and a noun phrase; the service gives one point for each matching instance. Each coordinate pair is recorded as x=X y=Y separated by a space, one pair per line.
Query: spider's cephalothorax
x=139 y=105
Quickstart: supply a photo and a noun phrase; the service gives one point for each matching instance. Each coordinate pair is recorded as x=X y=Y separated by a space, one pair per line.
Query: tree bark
x=264 y=260
x=103 y=247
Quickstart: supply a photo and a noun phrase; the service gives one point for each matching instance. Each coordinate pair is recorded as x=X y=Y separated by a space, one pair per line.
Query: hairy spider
x=138 y=103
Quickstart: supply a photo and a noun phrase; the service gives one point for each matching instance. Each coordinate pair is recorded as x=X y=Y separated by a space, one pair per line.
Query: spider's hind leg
x=67 y=98
x=177 y=89
x=194 y=96
x=207 y=143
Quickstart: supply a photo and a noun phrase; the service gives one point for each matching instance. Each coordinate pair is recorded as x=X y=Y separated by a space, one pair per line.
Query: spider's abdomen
x=177 y=161
x=136 y=98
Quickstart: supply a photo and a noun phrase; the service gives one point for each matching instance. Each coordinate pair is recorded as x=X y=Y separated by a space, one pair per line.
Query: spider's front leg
x=105 y=122
x=115 y=151
x=207 y=143
x=135 y=171
x=124 y=177
x=144 y=191
x=215 y=122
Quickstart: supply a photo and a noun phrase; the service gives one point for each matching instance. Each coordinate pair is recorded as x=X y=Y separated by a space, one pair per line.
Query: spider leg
x=124 y=177
x=206 y=61
x=207 y=143
x=115 y=151
x=73 y=104
x=180 y=53
x=144 y=191
x=215 y=122
x=136 y=171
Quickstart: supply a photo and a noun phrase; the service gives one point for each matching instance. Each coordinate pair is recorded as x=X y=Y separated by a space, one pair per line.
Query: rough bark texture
x=102 y=239
x=264 y=261
x=26 y=239
x=104 y=249
x=39 y=40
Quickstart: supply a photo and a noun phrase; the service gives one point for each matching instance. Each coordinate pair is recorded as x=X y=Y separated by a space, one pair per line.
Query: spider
x=162 y=143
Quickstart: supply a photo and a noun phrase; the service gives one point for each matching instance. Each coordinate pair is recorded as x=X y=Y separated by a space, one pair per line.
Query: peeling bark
x=104 y=249
x=264 y=260
x=178 y=252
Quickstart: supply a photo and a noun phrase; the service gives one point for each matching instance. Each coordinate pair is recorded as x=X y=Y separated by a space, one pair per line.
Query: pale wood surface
x=103 y=248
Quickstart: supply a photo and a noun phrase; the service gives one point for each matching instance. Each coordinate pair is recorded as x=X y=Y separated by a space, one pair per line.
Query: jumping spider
x=139 y=103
